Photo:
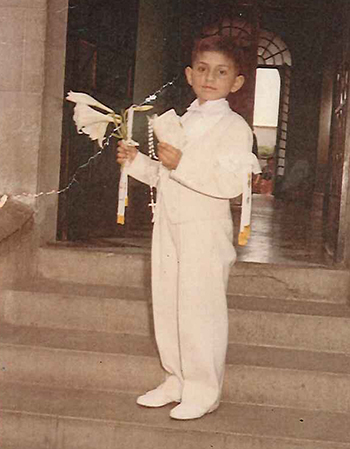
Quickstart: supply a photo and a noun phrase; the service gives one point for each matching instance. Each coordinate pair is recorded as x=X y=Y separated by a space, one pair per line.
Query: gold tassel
x=244 y=236
x=121 y=219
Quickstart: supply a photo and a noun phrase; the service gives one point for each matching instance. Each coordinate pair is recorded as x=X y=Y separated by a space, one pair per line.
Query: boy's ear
x=239 y=81
x=188 y=73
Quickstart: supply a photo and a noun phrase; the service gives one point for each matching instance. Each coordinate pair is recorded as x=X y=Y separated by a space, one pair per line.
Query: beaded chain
x=152 y=155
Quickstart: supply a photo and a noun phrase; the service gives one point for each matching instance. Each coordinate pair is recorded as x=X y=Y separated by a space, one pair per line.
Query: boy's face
x=213 y=76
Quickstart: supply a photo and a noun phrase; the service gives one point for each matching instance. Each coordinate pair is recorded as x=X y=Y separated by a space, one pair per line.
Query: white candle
x=130 y=123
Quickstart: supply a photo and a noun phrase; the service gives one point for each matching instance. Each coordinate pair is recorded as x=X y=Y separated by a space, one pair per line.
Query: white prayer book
x=167 y=127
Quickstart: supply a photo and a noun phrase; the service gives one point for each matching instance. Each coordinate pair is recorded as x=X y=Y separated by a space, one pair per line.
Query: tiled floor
x=282 y=233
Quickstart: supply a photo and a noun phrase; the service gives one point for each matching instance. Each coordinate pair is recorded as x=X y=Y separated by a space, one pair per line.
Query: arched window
x=272 y=50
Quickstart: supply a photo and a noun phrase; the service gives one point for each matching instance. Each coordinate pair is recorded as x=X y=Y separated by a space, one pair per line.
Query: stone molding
x=13 y=217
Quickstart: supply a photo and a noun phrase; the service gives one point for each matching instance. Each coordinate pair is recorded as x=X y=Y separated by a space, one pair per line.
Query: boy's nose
x=210 y=75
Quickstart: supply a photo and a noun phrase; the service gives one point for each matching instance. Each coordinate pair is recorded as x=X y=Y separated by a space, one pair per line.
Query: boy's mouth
x=209 y=88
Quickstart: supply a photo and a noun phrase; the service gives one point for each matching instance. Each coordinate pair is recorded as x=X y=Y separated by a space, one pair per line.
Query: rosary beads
x=152 y=155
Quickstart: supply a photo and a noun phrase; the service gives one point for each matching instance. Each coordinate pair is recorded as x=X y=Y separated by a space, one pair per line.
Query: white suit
x=192 y=249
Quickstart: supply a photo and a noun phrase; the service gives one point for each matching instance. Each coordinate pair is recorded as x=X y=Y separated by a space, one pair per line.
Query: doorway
x=99 y=62
x=265 y=125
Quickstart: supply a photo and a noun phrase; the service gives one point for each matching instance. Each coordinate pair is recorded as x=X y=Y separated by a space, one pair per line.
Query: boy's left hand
x=169 y=155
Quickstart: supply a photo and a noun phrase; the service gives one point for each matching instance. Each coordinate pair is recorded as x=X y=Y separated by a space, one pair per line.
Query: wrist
x=133 y=154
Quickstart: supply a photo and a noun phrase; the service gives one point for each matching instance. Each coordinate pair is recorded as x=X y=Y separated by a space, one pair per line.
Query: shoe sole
x=194 y=417
x=162 y=404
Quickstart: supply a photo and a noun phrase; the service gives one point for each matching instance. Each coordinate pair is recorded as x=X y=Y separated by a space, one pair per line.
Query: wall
x=151 y=69
x=18 y=242
x=32 y=34
x=31 y=81
x=325 y=124
x=151 y=48
x=22 y=56
x=151 y=58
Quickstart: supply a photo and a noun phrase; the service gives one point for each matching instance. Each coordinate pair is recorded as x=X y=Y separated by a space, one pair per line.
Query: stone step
x=253 y=320
x=132 y=267
x=291 y=282
x=94 y=360
x=289 y=324
x=105 y=266
x=46 y=417
x=67 y=305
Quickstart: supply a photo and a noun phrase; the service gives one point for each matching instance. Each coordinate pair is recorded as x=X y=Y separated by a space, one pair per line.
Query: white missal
x=167 y=127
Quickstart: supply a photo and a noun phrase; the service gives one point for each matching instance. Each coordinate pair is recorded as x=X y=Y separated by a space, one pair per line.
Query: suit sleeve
x=144 y=169
x=219 y=172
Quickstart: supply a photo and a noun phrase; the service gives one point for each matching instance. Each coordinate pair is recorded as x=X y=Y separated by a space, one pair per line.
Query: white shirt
x=199 y=118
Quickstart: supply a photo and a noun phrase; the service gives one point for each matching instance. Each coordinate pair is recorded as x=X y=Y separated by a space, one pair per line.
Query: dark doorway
x=101 y=46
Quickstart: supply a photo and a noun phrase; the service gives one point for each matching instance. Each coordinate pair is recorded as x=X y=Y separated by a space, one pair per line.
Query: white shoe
x=188 y=411
x=156 y=398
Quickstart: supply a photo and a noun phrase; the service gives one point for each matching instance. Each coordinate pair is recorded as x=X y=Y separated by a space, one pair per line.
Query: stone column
x=22 y=55
x=52 y=112
x=32 y=58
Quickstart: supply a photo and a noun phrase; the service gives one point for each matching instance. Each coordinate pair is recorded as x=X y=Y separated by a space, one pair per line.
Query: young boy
x=192 y=249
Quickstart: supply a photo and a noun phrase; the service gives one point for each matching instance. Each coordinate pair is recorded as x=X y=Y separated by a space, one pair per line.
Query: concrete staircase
x=76 y=348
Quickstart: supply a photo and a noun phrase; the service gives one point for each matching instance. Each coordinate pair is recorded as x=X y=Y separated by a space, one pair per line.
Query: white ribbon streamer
x=246 y=212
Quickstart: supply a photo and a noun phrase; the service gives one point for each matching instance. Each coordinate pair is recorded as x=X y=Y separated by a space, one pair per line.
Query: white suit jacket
x=210 y=170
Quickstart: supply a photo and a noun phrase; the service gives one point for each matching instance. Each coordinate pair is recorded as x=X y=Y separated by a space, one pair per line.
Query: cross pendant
x=152 y=205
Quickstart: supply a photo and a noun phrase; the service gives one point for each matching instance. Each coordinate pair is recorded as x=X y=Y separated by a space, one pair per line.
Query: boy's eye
x=200 y=69
x=222 y=72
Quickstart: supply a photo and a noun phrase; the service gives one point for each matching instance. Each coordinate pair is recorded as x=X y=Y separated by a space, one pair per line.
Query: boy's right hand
x=125 y=152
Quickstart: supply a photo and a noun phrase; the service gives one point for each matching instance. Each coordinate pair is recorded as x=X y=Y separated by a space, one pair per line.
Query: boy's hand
x=125 y=153
x=169 y=155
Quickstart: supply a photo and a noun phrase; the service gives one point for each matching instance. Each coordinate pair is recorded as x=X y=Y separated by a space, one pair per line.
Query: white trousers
x=190 y=269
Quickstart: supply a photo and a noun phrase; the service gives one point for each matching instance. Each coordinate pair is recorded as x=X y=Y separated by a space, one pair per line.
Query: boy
x=192 y=249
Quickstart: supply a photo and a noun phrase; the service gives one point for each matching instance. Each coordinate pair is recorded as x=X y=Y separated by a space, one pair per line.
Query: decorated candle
x=130 y=123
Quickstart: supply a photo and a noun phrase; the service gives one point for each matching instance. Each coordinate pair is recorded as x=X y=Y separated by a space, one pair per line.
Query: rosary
x=152 y=155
